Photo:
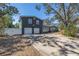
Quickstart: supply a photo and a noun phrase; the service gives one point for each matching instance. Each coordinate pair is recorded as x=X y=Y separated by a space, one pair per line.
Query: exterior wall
x=25 y=24
x=12 y=31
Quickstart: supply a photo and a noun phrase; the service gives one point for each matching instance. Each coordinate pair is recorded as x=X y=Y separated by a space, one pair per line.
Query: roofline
x=31 y=16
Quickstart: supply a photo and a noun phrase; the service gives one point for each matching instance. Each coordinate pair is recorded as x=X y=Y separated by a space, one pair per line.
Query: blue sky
x=28 y=9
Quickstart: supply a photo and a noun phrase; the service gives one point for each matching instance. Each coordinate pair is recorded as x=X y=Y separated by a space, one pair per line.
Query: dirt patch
x=17 y=46
x=28 y=51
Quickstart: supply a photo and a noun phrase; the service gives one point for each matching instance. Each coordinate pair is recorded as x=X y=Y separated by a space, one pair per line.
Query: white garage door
x=27 y=30
x=36 y=30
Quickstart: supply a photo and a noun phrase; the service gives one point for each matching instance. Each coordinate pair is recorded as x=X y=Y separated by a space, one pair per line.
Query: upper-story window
x=37 y=22
x=30 y=21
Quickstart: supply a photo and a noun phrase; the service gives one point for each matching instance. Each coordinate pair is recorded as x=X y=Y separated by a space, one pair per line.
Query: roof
x=30 y=17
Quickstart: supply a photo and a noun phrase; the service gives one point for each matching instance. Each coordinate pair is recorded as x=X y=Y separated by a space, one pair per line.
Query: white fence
x=12 y=31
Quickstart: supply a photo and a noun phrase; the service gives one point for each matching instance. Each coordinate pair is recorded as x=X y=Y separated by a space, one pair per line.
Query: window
x=30 y=21
x=37 y=21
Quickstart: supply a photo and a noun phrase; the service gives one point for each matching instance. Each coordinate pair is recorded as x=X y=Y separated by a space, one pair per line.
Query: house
x=33 y=25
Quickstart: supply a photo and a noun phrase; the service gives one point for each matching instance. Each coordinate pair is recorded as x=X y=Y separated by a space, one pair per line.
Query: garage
x=31 y=30
x=36 y=30
x=27 y=30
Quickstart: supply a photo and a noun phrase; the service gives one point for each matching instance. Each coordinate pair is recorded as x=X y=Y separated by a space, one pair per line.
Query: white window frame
x=37 y=22
x=30 y=21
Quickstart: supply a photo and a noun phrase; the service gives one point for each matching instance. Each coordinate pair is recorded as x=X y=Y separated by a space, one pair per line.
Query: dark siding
x=25 y=24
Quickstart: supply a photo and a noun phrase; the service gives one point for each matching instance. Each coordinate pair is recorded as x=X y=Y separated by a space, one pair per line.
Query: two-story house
x=32 y=25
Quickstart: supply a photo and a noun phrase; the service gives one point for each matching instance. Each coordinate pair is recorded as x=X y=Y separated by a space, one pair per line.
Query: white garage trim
x=36 y=30
x=27 y=30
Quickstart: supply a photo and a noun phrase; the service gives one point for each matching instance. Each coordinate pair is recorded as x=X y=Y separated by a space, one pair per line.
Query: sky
x=28 y=9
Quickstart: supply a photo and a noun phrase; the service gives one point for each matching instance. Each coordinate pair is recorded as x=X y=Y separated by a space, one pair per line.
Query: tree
x=7 y=9
x=8 y=21
x=47 y=22
x=6 y=13
x=17 y=25
x=65 y=13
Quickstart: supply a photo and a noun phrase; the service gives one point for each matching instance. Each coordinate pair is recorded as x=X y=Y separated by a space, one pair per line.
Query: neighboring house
x=32 y=25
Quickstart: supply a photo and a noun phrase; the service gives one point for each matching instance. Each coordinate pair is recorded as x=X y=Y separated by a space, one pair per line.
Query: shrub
x=1 y=31
x=69 y=30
